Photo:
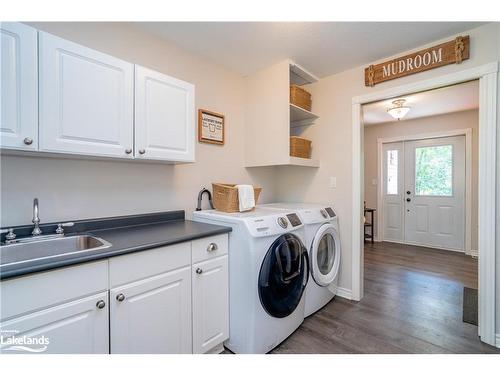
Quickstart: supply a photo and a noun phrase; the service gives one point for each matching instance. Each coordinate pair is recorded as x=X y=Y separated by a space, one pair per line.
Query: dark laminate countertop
x=124 y=240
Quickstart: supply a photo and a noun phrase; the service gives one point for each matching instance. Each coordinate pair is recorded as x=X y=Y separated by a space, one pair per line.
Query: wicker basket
x=300 y=97
x=300 y=147
x=225 y=197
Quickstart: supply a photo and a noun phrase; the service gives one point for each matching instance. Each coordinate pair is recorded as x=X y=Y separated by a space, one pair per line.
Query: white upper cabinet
x=19 y=87
x=86 y=100
x=164 y=117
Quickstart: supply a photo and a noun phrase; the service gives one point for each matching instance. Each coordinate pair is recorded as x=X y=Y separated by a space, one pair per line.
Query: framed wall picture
x=210 y=127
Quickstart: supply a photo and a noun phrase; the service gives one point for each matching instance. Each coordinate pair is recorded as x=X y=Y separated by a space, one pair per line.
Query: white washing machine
x=323 y=243
x=268 y=274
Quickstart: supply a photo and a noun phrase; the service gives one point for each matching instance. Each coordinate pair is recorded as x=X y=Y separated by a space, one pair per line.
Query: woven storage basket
x=300 y=147
x=300 y=97
x=225 y=197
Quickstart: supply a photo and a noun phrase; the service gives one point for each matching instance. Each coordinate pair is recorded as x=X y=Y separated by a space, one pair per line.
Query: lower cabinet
x=210 y=304
x=168 y=300
x=153 y=315
x=76 y=327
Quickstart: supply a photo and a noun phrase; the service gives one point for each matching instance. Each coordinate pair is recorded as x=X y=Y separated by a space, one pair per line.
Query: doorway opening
x=486 y=234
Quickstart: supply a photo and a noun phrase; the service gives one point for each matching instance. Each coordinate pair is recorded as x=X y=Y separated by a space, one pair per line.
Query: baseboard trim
x=473 y=253
x=497 y=340
x=344 y=293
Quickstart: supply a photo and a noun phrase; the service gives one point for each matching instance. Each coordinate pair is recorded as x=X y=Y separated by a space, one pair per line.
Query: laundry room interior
x=272 y=187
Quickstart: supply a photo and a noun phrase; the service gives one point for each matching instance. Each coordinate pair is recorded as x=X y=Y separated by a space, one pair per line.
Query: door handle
x=408 y=199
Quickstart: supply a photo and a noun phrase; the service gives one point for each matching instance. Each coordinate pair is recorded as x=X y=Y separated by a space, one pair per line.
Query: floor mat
x=470 y=306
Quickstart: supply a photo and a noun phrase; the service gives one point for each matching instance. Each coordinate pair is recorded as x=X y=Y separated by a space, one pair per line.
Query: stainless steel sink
x=50 y=247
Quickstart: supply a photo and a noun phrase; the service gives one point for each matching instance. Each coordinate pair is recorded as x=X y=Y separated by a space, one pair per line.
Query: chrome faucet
x=36 y=219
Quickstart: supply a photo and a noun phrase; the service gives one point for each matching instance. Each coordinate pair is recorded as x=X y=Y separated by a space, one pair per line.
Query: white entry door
x=425 y=192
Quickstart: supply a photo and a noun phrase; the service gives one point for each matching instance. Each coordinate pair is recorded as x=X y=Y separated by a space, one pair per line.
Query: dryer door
x=325 y=255
x=283 y=276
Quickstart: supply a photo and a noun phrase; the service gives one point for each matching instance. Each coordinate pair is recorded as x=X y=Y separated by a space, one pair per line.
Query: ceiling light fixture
x=399 y=110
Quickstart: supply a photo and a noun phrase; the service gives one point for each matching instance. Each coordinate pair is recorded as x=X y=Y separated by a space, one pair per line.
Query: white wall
x=445 y=122
x=77 y=189
x=332 y=138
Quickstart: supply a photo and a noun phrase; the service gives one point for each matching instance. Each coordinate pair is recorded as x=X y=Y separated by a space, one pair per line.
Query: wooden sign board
x=452 y=52
x=210 y=127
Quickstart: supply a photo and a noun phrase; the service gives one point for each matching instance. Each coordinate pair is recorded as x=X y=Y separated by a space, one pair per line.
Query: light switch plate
x=374 y=182
x=333 y=182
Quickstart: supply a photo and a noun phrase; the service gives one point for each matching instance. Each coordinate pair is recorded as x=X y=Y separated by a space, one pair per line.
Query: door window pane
x=326 y=254
x=392 y=172
x=433 y=170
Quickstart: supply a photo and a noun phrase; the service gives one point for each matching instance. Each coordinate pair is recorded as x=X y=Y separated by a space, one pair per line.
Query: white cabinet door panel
x=210 y=304
x=77 y=327
x=155 y=315
x=19 y=87
x=164 y=117
x=86 y=100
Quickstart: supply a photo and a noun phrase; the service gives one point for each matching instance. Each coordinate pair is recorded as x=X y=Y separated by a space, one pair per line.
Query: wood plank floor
x=412 y=304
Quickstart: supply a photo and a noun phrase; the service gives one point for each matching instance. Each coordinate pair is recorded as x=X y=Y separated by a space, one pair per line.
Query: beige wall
x=75 y=189
x=332 y=139
x=450 y=121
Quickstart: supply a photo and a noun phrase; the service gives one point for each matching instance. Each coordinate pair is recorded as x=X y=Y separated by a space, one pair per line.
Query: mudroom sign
x=452 y=52
x=210 y=127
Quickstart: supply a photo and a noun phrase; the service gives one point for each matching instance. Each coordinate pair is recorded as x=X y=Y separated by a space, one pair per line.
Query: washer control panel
x=283 y=223
x=294 y=220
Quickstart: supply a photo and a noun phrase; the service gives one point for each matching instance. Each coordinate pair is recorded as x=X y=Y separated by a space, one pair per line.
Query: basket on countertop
x=300 y=147
x=300 y=97
x=225 y=197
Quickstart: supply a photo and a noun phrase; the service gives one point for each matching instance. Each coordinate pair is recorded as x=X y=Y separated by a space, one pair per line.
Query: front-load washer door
x=283 y=276
x=325 y=255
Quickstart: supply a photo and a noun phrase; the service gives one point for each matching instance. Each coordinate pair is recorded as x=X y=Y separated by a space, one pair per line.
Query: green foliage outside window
x=433 y=170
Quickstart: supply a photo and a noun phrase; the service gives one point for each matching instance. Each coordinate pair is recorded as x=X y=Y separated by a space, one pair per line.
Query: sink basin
x=47 y=248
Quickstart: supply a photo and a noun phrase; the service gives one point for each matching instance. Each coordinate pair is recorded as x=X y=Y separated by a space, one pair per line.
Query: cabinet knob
x=120 y=297
x=27 y=141
x=100 y=304
x=212 y=247
x=128 y=151
x=199 y=271
x=142 y=151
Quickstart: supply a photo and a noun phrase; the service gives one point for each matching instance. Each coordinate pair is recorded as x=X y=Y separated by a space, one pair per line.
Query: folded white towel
x=246 y=197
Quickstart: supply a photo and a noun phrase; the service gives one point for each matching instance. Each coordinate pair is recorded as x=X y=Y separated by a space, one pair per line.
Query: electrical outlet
x=333 y=182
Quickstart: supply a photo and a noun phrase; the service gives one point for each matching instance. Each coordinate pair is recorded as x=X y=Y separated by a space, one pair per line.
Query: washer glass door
x=325 y=255
x=283 y=276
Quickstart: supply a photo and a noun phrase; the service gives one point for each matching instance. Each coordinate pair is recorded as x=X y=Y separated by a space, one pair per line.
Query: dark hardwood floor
x=412 y=304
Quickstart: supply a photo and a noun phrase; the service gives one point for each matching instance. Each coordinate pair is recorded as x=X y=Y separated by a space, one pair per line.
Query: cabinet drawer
x=41 y=290
x=132 y=267
x=210 y=247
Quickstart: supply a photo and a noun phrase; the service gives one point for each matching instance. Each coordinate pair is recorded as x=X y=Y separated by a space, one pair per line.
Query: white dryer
x=268 y=274
x=323 y=243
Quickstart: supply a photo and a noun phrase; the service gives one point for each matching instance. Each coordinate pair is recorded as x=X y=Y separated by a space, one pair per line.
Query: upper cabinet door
x=19 y=87
x=164 y=117
x=86 y=100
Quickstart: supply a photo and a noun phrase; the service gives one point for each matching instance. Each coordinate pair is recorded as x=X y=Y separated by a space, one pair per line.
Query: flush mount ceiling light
x=399 y=110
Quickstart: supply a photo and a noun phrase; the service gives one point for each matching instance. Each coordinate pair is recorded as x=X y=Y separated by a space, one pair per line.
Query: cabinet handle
x=199 y=271
x=142 y=151
x=27 y=141
x=100 y=304
x=128 y=151
x=212 y=247
x=120 y=297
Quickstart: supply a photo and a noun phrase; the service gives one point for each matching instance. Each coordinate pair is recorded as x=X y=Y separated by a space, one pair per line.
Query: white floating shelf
x=300 y=116
x=300 y=76
x=302 y=162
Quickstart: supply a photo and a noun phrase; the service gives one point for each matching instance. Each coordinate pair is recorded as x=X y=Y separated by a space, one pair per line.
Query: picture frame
x=211 y=127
